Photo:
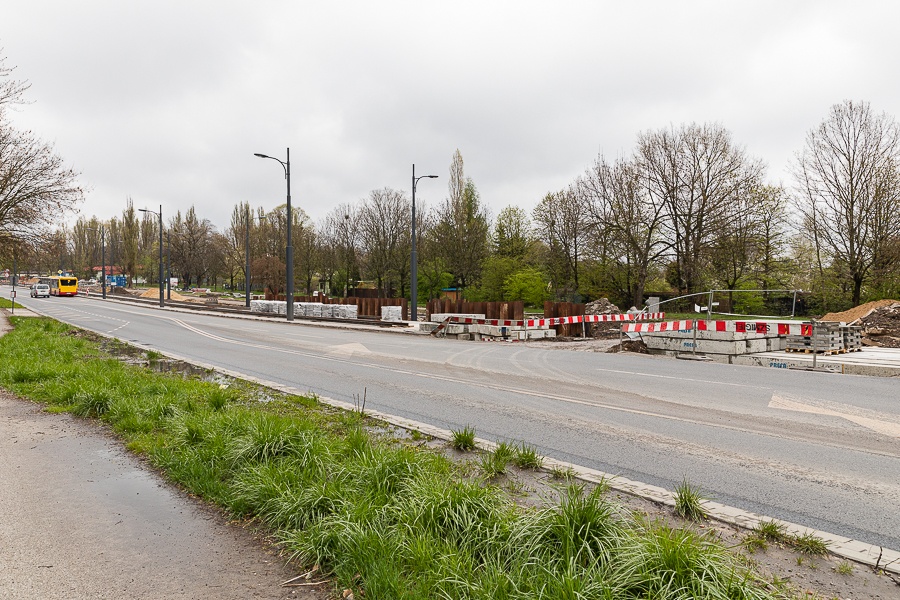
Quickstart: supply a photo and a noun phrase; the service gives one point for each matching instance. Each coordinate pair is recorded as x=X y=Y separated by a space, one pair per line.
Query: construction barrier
x=652 y=327
x=551 y=322
x=759 y=327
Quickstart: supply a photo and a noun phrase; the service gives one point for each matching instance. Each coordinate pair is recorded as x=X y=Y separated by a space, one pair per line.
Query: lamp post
x=289 y=263
x=162 y=295
x=413 y=284
x=168 y=266
x=247 y=260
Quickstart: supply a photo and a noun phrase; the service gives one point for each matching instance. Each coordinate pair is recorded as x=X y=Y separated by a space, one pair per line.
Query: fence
x=491 y=310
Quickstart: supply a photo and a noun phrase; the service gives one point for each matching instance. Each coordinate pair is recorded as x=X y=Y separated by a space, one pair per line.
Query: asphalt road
x=817 y=449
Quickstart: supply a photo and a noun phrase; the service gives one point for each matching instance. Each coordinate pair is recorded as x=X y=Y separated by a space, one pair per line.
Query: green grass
x=526 y=457
x=844 y=568
x=810 y=544
x=771 y=531
x=463 y=439
x=689 y=502
x=384 y=518
x=7 y=303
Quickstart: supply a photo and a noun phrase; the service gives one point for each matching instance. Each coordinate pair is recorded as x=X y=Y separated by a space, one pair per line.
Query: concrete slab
x=878 y=362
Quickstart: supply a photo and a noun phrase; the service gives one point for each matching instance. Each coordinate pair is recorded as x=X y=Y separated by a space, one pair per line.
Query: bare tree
x=193 y=247
x=627 y=220
x=848 y=186
x=11 y=90
x=385 y=237
x=35 y=188
x=696 y=173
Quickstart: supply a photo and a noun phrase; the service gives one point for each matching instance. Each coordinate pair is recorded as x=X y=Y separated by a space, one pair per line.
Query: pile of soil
x=601 y=307
x=154 y=293
x=854 y=314
x=880 y=321
x=605 y=331
x=881 y=327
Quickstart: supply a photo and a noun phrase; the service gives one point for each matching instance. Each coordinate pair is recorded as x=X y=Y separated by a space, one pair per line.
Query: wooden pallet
x=809 y=350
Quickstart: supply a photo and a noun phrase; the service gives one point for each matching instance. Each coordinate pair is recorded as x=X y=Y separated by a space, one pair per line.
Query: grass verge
x=381 y=515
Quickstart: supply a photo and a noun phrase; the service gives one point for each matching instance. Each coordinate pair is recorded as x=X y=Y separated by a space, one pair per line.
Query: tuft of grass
x=494 y=463
x=526 y=457
x=219 y=398
x=844 y=568
x=463 y=439
x=689 y=502
x=562 y=473
x=153 y=355
x=754 y=541
x=772 y=531
x=810 y=545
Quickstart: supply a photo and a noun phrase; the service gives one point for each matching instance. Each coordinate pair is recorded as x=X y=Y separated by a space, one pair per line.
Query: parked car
x=40 y=290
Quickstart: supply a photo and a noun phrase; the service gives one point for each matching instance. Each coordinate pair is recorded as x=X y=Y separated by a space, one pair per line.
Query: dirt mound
x=881 y=327
x=854 y=314
x=601 y=307
x=603 y=330
x=154 y=293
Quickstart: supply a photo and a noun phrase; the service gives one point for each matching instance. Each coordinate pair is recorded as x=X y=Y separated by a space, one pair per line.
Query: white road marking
x=639 y=374
x=878 y=422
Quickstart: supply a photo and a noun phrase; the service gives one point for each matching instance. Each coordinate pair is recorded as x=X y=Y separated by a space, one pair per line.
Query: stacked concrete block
x=827 y=338
x=392 y=313
x=441 y=317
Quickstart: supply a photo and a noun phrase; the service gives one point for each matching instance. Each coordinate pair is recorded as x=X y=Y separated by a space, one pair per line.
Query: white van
x=40 y=290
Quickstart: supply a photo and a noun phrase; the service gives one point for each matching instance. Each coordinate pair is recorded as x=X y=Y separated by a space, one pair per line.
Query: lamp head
x=260 y=155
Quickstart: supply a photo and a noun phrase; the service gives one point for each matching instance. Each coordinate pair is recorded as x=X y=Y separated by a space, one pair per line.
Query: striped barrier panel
x=659 y=316
x=551 y=322
x=653 y=327
x=760 y=327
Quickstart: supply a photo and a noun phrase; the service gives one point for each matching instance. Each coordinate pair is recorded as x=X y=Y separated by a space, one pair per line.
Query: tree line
x=687 y=210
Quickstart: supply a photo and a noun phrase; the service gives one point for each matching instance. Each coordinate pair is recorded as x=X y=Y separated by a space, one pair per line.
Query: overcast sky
x=166 y=102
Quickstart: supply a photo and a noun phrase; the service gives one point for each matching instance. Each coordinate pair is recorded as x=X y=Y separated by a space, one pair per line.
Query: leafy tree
x=529 y=285
x=460 y=226
x=513 y=236
x=560 y=224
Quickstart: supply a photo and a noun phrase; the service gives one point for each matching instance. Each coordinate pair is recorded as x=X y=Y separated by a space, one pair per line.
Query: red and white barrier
x=658 y=316
x=654 y=327
x=552 y=322
x=758 y=327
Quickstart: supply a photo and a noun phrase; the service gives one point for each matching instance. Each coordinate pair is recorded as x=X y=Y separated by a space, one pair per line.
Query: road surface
x=817 y=449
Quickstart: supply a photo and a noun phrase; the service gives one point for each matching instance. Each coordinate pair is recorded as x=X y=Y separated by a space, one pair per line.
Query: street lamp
x=413 y=284
x=290 y=247
x=168 y=266
x=162 y=293
x=102 y=259
x=247 y=260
